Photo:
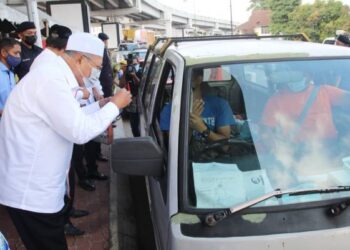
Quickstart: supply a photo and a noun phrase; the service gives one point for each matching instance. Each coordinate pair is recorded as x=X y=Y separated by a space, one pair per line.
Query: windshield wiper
x=213 y=218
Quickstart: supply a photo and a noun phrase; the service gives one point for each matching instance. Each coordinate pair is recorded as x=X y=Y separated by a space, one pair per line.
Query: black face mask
x=30 y=40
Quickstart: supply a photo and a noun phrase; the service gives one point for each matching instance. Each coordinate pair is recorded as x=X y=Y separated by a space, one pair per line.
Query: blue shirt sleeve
x=165 y=117
x=224 y=113
x=7 y=84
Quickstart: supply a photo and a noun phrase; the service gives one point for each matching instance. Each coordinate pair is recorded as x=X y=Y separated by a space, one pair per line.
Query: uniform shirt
x=7 y=83
x=28 y=55
x=40 y=124
x=283 y=110
x=216 y=113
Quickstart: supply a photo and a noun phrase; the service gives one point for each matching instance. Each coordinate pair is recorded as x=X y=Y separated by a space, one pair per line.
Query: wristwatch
x=205 y=134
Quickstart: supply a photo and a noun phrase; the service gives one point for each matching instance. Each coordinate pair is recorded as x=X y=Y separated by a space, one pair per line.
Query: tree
x=258 y=4
x=280 y=10
x=319 y=20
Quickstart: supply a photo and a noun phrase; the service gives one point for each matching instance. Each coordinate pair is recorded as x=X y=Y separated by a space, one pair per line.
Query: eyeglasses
x=94 y=65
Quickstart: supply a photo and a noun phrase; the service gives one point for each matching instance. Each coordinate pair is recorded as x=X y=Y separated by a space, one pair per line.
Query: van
x=244 y=144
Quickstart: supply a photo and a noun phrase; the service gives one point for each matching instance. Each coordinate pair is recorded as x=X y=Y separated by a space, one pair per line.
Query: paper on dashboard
x=219 y=185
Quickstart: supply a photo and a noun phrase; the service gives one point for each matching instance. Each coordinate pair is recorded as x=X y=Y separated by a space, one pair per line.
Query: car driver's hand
x=121 y=99
x=198 y=107
x=197 y=123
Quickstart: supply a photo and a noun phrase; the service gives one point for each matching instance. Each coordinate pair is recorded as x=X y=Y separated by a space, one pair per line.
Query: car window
x=237 y=157
x=162 y=116
x=150 y=86
x=145 y=75
x=255 y=74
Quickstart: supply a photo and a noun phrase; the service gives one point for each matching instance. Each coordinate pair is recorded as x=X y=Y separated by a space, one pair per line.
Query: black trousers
x=69 y=200
x=90 y=152
x=135 y=123
x=39 y=231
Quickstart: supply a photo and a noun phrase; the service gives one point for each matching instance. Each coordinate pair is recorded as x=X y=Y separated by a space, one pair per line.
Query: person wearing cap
x=37 y=137
x=29 y=51
x=10 y=57
x=342 y=40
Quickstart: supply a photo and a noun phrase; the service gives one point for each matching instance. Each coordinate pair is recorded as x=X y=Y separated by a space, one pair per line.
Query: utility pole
x=231 y=17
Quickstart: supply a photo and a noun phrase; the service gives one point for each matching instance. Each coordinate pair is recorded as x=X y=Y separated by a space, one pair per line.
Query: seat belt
x=308 y=104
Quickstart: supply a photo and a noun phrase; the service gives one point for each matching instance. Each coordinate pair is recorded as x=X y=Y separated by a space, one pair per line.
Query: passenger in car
x=211 y=117
x=283 y=111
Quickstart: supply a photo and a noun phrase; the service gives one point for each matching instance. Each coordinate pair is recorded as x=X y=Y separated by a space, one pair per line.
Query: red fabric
x=283 y=110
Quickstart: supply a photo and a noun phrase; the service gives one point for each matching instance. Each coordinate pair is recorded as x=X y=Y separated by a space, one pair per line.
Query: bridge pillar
x=217 y=27
x=190 y=23
x=168 y=23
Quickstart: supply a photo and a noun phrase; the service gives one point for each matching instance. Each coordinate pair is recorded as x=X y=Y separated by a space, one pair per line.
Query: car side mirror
x=137 y=156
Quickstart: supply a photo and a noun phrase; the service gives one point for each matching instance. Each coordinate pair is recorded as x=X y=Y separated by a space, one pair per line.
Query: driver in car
x=211 y=117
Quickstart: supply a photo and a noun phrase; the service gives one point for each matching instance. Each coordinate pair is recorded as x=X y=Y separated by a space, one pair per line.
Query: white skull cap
x=86 y=43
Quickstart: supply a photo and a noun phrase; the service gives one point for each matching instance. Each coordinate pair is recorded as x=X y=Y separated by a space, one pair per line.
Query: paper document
x=219 y=185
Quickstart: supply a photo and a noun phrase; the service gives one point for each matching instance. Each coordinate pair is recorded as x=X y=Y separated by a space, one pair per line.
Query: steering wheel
x=215 y=149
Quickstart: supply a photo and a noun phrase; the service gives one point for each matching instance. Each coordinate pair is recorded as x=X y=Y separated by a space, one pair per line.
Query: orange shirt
x=284 y=109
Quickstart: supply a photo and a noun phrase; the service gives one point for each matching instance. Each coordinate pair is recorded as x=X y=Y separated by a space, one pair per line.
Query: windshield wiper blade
x=213 y=218
x=318 y=190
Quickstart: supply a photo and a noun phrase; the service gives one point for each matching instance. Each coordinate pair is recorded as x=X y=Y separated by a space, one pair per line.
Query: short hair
x=8 y=43
x=198 y=72
x=58 y=37
x=103 y=36
x=57 y=43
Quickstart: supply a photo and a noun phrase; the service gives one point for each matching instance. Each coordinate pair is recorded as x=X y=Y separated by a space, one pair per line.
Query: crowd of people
x=53 y=103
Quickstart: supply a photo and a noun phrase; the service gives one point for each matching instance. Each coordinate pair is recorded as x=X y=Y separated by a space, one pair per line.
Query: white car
x=258 y=159
x=329 y=40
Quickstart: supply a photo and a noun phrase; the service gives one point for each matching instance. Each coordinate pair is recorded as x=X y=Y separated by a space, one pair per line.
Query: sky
x=219 y=8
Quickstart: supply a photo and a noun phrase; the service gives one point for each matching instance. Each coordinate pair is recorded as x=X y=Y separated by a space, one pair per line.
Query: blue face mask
x=297 y=86
x=13 y=61
x=137 y=67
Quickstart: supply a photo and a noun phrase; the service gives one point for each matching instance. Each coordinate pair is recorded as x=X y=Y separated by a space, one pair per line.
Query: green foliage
x=258 y=4
x=280 y=10
x=319 y=20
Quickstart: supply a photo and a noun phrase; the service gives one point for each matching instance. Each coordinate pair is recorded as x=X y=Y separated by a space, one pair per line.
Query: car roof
x=221 y=51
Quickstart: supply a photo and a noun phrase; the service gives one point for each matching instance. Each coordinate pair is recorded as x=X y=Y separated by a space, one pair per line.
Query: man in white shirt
x=41 y=121
x=56 y=44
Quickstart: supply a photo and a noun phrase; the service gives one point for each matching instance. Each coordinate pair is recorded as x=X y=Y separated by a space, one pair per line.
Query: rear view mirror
x=137 y=156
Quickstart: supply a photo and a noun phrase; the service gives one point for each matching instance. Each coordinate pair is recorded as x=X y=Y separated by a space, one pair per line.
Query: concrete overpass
x=152 y=14
x=136 y=13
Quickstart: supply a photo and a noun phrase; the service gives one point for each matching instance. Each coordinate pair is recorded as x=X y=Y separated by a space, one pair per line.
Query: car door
x=159 y=102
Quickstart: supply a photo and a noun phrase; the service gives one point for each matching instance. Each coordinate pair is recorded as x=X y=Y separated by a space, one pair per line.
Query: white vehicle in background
x=329 y=40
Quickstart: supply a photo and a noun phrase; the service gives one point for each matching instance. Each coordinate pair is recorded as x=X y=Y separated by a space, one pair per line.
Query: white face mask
x=95 y=73
x=297 y=86
x=137 y=67
x=93 y=79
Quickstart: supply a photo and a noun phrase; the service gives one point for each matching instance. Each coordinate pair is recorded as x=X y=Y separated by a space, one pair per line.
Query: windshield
x=257 y=127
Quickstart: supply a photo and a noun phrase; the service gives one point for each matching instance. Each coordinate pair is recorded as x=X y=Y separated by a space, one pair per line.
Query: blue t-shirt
x=216 y=113
x=7 y=83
